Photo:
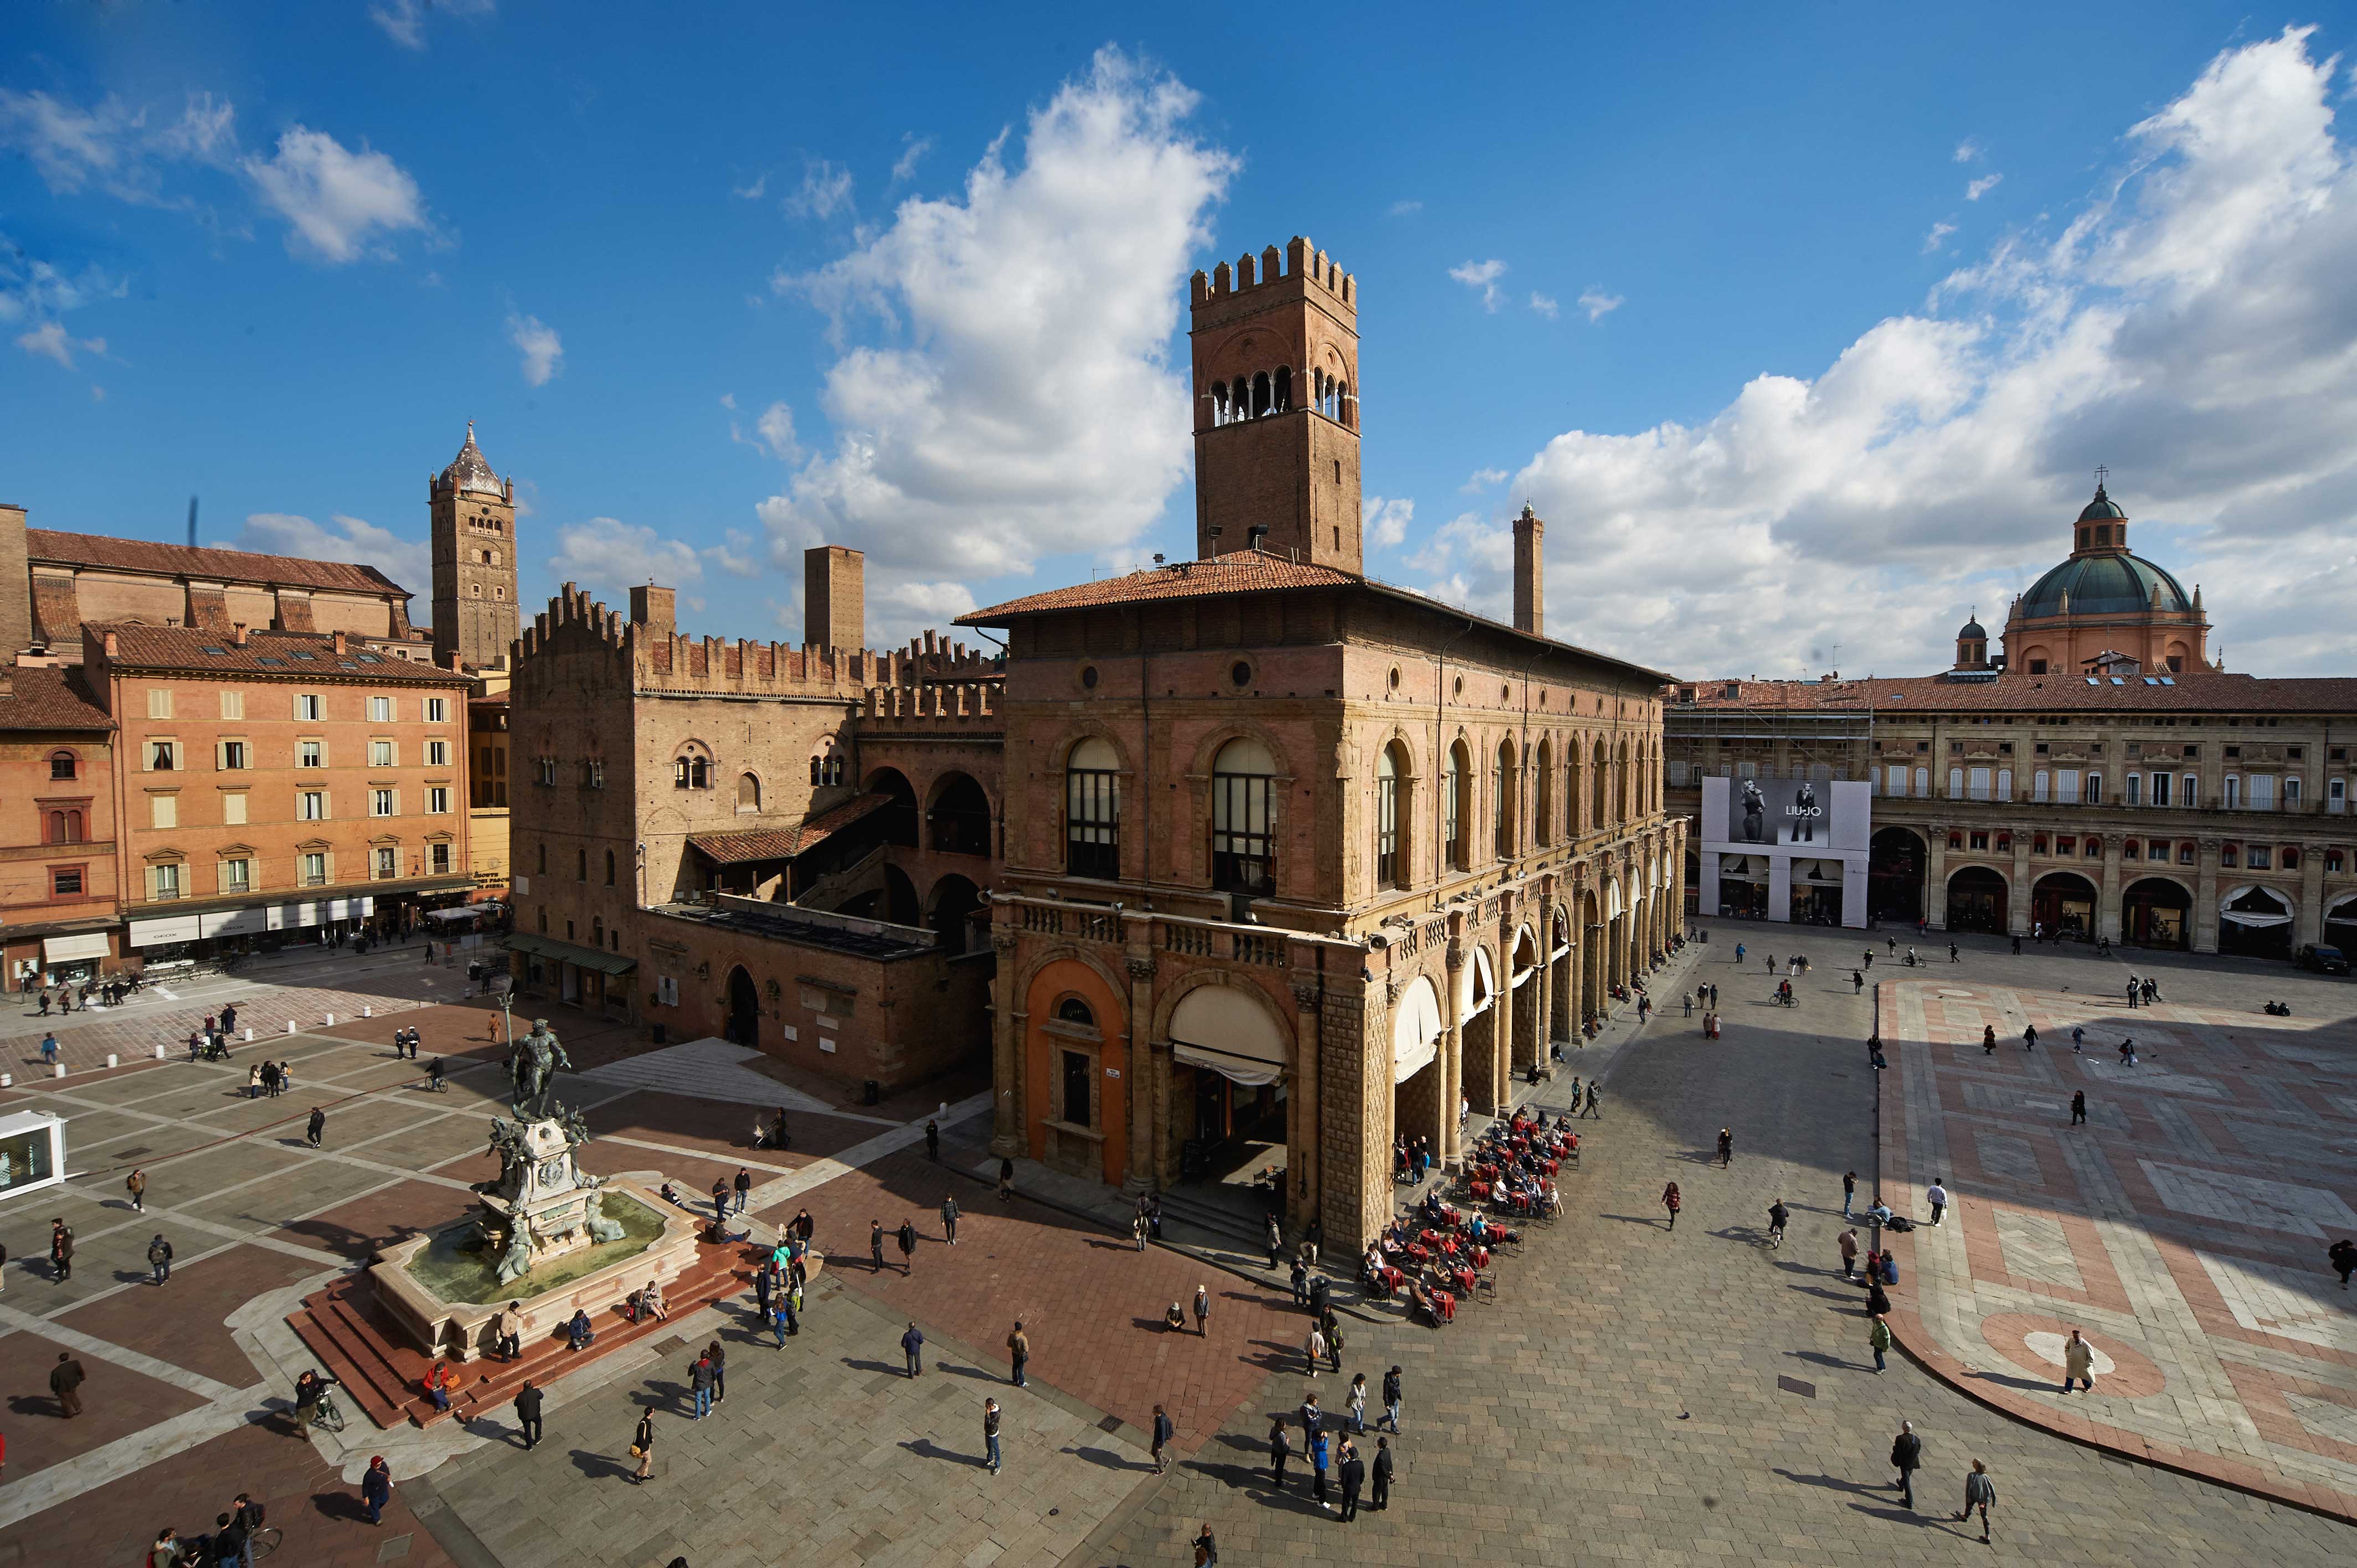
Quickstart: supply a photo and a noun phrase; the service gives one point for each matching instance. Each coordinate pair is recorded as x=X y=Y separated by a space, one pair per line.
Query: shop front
x=168 y=940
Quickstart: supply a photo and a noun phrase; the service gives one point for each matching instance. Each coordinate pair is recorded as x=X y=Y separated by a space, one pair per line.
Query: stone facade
x=57 y=890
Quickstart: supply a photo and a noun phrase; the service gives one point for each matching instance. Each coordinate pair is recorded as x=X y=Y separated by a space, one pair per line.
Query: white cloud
x=113 y=145
x=407 y=562
x=1482 y=278
x=31 y=289
x=776 y=430
x=913 y=147
x=336 y=200
x=543 y=349
x=1598 y=303
x=729 y=399
x=1405 y=209
x=403 y=21
x=1983 y=186
x=614 y=555
x=754 y=191
x=49 y=341
x=825 y=190
x=1546 y=304
x=737 y=556
x=1384 y=523
x=1938 y=237
x=2192 y=328
x=1020 y=399
x=1968 y=150
x=1481 y=479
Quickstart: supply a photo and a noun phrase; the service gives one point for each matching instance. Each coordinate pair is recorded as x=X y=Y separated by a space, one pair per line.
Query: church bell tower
x=473 y=531
x=1276 y=344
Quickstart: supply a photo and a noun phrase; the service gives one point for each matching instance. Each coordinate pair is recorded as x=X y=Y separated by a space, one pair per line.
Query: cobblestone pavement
x=1648 y=1396
x=2181 y=1229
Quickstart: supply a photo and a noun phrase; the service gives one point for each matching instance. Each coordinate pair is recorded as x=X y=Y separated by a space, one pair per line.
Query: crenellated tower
x=1276 y=407
x=473 y=531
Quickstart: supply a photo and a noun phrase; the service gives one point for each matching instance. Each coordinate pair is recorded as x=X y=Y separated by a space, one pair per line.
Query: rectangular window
x=311 y=805
x=163 y=755
x=310 y=754
x=1980 y=783
x=2068 y=845
x=1980 y=841
x=65 y=882
x=2066 y=786
x=233 y=705
x=388 y=861
x=165 y=881
x=233 y=756
x=1898 y=779
x=1091 y=821
x=381 y=802
x=159 y=701
x=437 y=800
x=1956 y=783
x=164 y=810
x=438 y=856
x=2038 y=785
x=1387 y=865
x=1244 y=852
x=2160 y=789
x=315 y=869
x=2005 y=783
x=2291 y=793
x=437 y=710
x=1075 y=1097
x=2262 y=789
x=233 y=808
x=309 y=705
x=437 y=753
x=2134 y=785
x=2260 y=857
x=237 y=876
x=2229 y=854
x=2185 y=852
x=380 y=754
x=380 y=710
x=2094 y=789
x=2336 y=795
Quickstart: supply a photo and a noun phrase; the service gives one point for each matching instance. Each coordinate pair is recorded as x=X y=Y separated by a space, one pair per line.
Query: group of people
x=268 y=1079
x=1708 y=995
x=228 y=1544
x=1349 y=1467
x=108 y=991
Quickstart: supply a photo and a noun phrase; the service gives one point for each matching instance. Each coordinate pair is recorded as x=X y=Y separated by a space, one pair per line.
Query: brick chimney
x=237 y=634
x=337 y=639
x=1530 y=574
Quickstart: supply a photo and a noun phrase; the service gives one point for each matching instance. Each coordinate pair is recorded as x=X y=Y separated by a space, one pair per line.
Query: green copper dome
x=2104 y=585
x=2102 y=508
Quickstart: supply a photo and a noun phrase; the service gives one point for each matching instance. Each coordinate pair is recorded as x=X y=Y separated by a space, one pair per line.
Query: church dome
x=2117 y=584
x=468 y=470
x=1973 y=631
x=2102 y=508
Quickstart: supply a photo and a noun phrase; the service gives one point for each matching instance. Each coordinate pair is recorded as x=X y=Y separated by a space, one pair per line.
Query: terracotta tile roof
x=40 y=697
x=2201 y=691
x=1237 y=572
x=297 y=654
x=733 y=848
x=203 y=561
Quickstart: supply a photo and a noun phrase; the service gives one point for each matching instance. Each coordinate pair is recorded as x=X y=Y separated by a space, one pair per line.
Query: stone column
x=2017 y=910
x=1542 y=989
x=2205 y=898
x=2107 y=897
x=1452 y=1049
x=2311 y=895
x=1305 y=1130
x=1935 y=879
x=1502 y=1025
x=1137 y=1070
x=1006 y=1129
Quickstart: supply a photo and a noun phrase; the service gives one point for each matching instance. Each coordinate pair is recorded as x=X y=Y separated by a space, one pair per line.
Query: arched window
x=1601 y=789
x=1259 y=393
x=1342 y=409
x=690 y=770
x=1452 y=806
x=835 y=770
x=1072 y=1010
x=1219 y=403
x=1543 y=820
x=1624 y=798
x=1093 y=809
x=63 y=764
x=1387 y=814
x=818 y=768
x=610 y=868
x=1503 y=805
x=1282 y=398
x=749 y=792
x=65 y=827
x=1244 y=852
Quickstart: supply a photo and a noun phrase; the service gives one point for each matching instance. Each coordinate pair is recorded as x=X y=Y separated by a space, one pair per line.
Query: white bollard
x=367 y=1011
x=110 y=1059
x=248 y=1034
x=159 y=1053
x=6 y=1079
x=332 y=1020
x=58 y=1069
x=290 y=1026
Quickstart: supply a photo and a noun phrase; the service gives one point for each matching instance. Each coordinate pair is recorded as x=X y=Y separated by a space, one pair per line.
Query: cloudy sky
x=1805 y=333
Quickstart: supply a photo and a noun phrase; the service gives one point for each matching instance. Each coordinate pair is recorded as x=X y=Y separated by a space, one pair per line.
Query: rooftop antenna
x=192 y=522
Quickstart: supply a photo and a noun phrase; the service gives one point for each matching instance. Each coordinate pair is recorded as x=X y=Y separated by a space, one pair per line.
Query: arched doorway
x=1075 y=1071
x=1230 y=1085
x=1417 y=1028
x=955 y=900
x=1894 y=876
x=959 y=821
x=1976 y=900
x=2062 y=904
x=744 y=1008
x=1563 y=1000
x=2254 y=921
x=898 y=819
x=1590 y=955
x=1526 y=982
x=2156 y=913
x=1478 y=1032
x=2341 y=924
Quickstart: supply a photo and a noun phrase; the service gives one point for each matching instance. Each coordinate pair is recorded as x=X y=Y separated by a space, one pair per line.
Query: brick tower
x=1276 y=407
x=474 y=560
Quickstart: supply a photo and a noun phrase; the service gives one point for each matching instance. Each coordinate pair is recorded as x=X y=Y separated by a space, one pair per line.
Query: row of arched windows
x=1266 y=392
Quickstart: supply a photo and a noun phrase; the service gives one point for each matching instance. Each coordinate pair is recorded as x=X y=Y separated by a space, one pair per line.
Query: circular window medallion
x=1088 y=677
x=1457 y=688
x=1395 y=678
x=1240 y=673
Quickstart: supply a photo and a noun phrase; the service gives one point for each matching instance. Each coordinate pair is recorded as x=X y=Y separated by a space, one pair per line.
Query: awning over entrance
x=1613 y=908
x=1223 y=1029
x=253 y=918
x=1480 y=985
x=1416 y=1030
x=572 y=953
x=2255 y=917
x=66 y=950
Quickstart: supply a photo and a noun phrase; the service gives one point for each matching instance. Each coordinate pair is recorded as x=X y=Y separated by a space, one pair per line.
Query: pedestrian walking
x=1391 y=1403
x=1006 y=1181
x=699 y=1384
x=2078 y=1037
x=1988 y=1040
x=1317 y=1460
x=744 y=1186
x=1276 y=1248
x=66 y=1379
x=1592 y=1110
x=1315 y=1349
x=1849 y=1191
x=1354 y=1475
x=1137 y=1230
x=1937 y=1196
x=933 y=1140
x=1280 y=1448
x=1980 y=1492
x=906 y=1237
x=2343 y=1256
x=376 y=1488
x=912 y=1349
x=1906 y=1458
x=990 y=1434
x=1018 y=1345
x=718 y=1354
x=160 y=1258
x=781 y=1318
x=1671 y=1201
x=643 y=1446
x=48 y=1050
x=1880 y=1338
x=136 y=1184
x=1380 y=1498
x=1726 y=1148
x=1204 y=1307
x=1357 y=1405
x=2077 y=1364
x=1847 y=1242
x=1163 y=1432
x=318 y=1128
x=2030 y=1038
x=876 y=1246
x=527 y=1409
x=62 y=1251
x=949 y=1217
x=2077 y=1106
x=1207 y=1548
x=1954 y=956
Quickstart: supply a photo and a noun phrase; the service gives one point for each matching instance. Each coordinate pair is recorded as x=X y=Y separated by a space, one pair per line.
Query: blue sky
x=1802 y=329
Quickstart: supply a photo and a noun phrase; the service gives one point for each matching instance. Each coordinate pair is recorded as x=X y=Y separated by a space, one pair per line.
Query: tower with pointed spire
x=473 y=529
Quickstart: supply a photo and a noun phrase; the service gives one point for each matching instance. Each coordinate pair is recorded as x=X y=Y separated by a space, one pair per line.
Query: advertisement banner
x=1796 y=811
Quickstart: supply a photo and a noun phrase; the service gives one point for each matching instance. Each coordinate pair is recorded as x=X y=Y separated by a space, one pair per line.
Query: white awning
x=1613 y=908
x=1227 y=1030
x=2342 y=908
x=1416 y=1030
x=65 y=949
x=461 y=912
x=1480 y=985
x=2255 y=917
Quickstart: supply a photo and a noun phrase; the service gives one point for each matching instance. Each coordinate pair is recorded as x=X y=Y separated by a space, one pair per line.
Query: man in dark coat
x=65 y=1381
x=1354 y=1475
x=1383 y=1493
x=1906 y=1458
x=527 y=1409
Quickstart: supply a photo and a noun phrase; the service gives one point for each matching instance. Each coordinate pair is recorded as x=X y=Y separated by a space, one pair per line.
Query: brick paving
x=2183 y=1231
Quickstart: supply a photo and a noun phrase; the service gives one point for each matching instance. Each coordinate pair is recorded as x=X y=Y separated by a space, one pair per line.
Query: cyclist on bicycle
x=1776 y=1217
x=434 y=1075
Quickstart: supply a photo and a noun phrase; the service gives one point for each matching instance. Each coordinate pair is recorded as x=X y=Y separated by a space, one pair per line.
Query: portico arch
x=1418 y=1035
x=2256 y=920
x=1477 y=1017
x=1076 y=1058
x=1232 y=1058
x=2158 y=912
x=1526 y=981
x=1563 y=980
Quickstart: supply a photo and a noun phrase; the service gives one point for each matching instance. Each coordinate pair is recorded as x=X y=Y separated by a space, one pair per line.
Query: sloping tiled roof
x=41 y=697
x=2201 y=691
x=1237 y=572
x=300 y=654
x=734 y=848
x=203 y=561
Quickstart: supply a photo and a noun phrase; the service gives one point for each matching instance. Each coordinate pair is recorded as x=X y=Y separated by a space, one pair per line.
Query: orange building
x=57 y=908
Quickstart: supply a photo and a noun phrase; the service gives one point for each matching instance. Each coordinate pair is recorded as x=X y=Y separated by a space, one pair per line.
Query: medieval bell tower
x=1276 y=407
x=473 y=531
